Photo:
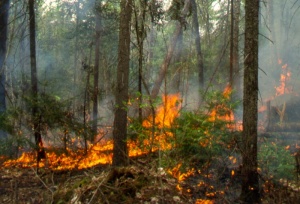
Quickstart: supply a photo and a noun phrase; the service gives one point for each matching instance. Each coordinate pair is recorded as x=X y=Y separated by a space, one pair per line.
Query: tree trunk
x=177 y=61
x=76 y=54
x=198 y=43
x=234 y=79
x=120 y=155
x=166 y=62
x=34 y=84
x=96 y=74
x=250 y=185
x=235 y=59
x=4 y=8
x=140 y=36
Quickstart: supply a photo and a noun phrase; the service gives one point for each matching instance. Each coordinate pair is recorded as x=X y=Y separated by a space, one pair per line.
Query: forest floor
x=141 y=182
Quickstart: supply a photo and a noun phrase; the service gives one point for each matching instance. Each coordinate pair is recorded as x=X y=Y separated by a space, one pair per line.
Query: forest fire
x=176 y=173
x=223 y=113
x=285 y=77
x=101 y=153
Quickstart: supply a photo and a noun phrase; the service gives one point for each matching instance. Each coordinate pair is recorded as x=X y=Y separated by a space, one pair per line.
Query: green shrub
x=276 y=161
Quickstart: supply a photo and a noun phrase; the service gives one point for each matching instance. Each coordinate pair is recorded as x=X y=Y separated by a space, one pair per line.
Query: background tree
x=250 y=185
x=4 y=9
x=234 y=78
x=197 y=42
x=120 y=155
x=96 y=68
x=164 y=67
x=34 y=83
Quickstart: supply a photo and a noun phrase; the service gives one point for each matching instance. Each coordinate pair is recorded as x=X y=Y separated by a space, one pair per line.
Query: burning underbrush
x=175 y=157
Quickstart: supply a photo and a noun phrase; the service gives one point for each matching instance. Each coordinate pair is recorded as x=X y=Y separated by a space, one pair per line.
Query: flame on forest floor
x=201 y=201
x=101 y=152
x=176 y=173
x=285 y=77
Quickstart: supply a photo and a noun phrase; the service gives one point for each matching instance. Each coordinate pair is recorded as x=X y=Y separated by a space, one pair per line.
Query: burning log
x=284 y=127
x=283 y=114
x=281 y=135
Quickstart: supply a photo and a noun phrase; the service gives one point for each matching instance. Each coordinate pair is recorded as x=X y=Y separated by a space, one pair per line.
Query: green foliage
x=276 y=161
x=198 y=139
x=5 y=124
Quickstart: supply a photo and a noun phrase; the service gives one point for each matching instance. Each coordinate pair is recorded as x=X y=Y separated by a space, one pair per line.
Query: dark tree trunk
x=250 y=184
x=34 y=84
x=120 y=155
x=234 y=78
x=4 y=8
x=198 y=43
x=96 y=74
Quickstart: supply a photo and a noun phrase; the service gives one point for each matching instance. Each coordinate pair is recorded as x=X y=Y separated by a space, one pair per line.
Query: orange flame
x=166 y=113
x=201 y=201
x=228 y=116
x=101 y=153
x=285 y=77
x=176 y=173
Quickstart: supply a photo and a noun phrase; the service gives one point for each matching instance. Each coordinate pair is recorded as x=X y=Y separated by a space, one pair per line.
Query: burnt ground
x=141 y=182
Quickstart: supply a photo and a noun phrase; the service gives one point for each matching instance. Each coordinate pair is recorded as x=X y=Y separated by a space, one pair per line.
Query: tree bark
x=166 y=62
x=198 y=43
x=234 y=76
x=250 y=185
x=96 y=74
x=235 y=54
x=34 y=84
x=120 y=154
x=140 y=36
x=4 y=8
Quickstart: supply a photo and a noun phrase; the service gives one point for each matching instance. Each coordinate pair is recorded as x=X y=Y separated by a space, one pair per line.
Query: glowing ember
x=200 y=201
x=284 y=78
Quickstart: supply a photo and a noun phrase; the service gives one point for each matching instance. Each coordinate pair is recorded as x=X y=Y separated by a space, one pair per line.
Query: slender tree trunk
x=250 y=184
x=4 y=8
x=120 y=155
x=198 y=43
x=236 y=33
x=76 y=48
x=96 y=73
x=34 y=84
x=177 y=61
x=234 y=80
x=231 y=44
x=166 y=62
x=140 y=36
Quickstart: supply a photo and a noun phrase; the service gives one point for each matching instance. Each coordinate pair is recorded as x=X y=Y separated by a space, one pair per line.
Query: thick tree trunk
x=120 y=155
x=4 y=8
x=198 y=43
x=250 y=185
x=96 y=75
x=166 y=62
x=34 y=84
